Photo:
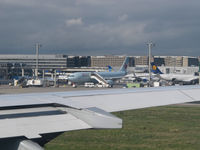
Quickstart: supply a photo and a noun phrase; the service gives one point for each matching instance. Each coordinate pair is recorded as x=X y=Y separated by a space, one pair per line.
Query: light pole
x=150 y=45
x=199 y=72
x=37 y=46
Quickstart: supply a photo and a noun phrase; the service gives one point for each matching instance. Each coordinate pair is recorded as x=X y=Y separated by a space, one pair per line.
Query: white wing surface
x=33 y=115
x=109 y=100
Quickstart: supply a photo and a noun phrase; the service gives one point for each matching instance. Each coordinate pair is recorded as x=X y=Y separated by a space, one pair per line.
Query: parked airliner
x=107 y=77
x=175 y=78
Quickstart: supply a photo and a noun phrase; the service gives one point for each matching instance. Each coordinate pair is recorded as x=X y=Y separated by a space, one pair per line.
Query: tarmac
x=5 y=89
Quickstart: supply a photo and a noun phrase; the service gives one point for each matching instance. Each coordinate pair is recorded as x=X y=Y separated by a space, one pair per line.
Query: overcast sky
x=100 y=27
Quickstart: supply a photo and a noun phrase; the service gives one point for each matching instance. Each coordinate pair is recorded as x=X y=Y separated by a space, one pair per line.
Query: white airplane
x=176 y=78
x=141 y=77
x=101 y=77
x=28 y=121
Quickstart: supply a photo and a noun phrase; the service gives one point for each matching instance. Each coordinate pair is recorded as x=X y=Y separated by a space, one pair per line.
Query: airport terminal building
x=29 y=61
x=26 y=64
x=114 y=61
x=11 y=65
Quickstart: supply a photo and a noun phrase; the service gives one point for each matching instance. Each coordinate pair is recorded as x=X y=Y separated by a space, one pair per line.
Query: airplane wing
x=32 y=116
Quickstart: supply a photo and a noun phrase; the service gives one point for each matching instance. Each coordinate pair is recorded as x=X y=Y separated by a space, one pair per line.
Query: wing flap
x=34 y=122
x=33 y=127
x=96 y=118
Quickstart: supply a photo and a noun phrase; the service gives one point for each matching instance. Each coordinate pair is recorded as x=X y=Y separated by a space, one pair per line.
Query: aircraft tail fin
x=110 y=69
x=125 y=64
x=155 y=69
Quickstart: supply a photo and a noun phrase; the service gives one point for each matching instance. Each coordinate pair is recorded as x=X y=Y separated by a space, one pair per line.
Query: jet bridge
x=100 y=79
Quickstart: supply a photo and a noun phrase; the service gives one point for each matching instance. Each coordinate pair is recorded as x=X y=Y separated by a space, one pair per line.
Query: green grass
x=160 y=128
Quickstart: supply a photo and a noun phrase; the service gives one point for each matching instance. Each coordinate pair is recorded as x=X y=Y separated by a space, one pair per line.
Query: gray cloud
x=94 y=27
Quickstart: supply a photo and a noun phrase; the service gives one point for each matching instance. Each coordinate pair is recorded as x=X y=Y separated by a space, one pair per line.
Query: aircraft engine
x=19 y=144
x=110 y=82
x=29 y=145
